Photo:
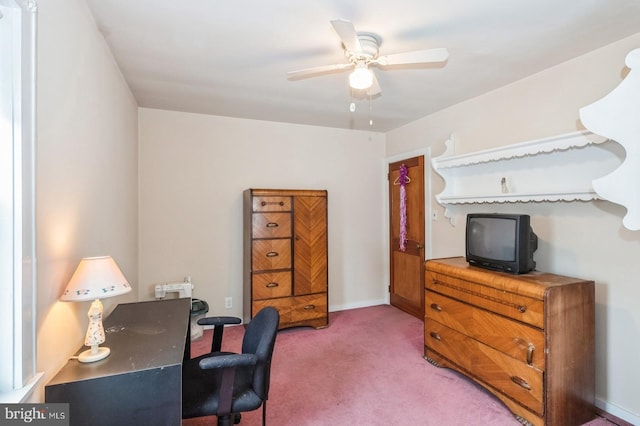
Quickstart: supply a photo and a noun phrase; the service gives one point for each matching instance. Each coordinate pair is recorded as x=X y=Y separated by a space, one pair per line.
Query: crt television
x=502 y=242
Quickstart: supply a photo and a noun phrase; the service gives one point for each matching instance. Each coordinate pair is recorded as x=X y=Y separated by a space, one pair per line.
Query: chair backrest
x=260 y=339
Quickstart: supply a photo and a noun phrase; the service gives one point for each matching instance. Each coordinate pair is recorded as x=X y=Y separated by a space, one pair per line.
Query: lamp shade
x=96 y=278
x=361 y=77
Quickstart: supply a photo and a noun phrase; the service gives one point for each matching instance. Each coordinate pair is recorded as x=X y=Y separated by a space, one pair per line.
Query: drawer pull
x=520 y=308
x=530 y=350
x=434 y=335
x=309 y=307
x=264 y=203
x=521 y=382
x=272 y=225
x=436 y=307
x=272 y=285
x=272 y=254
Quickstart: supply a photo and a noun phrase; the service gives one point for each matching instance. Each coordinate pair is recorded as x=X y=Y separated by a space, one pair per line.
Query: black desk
x=140 y=383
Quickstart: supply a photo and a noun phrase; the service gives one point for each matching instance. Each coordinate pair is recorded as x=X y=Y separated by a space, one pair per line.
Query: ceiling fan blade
x=375 y=86
x=415 y=57
x=347 y=33
x=311 y=72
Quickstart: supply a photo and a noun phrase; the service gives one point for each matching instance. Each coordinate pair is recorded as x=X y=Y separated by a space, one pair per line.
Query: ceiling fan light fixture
x=361 y=77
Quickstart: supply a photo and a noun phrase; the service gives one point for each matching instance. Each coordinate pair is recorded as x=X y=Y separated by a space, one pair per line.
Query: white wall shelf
x=559 y=168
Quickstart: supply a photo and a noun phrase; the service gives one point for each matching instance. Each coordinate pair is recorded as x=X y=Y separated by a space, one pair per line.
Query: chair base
x=233 y=419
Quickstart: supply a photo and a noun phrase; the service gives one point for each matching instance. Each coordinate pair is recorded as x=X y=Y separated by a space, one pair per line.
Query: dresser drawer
x=308 y=307
x=295 y=309
x=271 y=254
x=520 y=341
x=268 y=285
x=271 y=225
x=512 y=305
x=510 y=377
x=271 y=204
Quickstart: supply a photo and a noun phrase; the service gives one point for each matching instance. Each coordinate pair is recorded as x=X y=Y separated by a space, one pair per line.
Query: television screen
x=493 y=238
x=502 y=242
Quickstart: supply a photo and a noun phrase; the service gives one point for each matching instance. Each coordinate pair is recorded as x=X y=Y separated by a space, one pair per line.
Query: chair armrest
x=218 y=329
x=226 y=361
x=227 y=365
x=219 y=321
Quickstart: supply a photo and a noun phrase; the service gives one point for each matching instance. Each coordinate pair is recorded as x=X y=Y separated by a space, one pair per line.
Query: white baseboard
x=621 y=413
x=365 y=304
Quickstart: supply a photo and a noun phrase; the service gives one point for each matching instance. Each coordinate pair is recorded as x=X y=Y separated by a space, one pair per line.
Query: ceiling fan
x=362 y=51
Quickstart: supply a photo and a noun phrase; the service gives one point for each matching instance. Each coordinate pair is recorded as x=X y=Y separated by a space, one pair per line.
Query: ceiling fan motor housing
x=369 y=48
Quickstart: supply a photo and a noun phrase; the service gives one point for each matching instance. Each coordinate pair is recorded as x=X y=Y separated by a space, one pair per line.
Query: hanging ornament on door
x=404 y=174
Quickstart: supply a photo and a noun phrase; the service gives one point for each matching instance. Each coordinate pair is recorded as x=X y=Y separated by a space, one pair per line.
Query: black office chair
x=225 y=384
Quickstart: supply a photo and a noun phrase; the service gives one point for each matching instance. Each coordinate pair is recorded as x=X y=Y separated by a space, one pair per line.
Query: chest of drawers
x=285 y=255
x=529 y=339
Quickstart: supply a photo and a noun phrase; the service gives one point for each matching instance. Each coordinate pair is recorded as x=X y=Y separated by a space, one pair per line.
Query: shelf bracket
x=616 y=116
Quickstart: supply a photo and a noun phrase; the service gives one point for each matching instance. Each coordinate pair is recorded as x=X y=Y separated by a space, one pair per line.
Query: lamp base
x=94 y=354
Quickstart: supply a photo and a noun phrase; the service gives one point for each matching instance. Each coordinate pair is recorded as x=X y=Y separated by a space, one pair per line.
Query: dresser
x=529 y=339
x=140 y=382
x=286 y=255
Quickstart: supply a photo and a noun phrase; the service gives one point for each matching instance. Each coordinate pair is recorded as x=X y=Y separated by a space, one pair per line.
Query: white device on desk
x=198 y=308
x=184 y=289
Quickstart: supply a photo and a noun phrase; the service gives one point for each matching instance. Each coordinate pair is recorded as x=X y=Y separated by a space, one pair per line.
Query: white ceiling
x=230 y=57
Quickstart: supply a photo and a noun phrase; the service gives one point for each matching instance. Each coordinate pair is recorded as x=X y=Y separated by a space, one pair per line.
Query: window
x=17 y=217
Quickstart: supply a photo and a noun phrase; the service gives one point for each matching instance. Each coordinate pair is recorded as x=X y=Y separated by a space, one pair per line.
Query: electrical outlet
x=228 y=303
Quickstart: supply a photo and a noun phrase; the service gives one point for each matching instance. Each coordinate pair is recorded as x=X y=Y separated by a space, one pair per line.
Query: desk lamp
x=95 y=278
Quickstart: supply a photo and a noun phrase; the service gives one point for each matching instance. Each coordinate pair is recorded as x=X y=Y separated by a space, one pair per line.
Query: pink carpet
x=366 y=368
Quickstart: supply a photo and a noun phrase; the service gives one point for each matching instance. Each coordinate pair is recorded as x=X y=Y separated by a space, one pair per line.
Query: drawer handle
x=264 y=203
x=272 y=254
x=530 y=350
x=435 y=335
x=436 y=307
x=520 y=308
x=272 y=225
x=272 y=285
x=521 y=382
x=309 y=307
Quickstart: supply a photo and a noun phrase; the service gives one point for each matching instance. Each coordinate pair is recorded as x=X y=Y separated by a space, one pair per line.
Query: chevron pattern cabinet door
x=273 y=220
x=310 y=245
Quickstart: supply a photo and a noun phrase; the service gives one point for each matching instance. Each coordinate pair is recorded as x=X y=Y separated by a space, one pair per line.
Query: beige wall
x=582 y=239
x=193 y=170
x=86 y=187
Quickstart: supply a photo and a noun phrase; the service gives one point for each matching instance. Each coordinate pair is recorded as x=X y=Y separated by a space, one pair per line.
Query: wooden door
x=407 y=266
x=310 y=267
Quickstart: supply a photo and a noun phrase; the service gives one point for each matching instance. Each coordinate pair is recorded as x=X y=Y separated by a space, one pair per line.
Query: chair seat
x=198 y=400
